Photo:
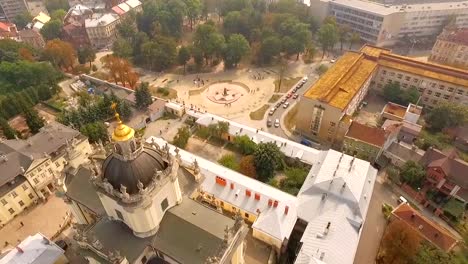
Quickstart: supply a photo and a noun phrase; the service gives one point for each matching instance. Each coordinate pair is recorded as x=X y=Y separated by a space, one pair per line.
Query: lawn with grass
x=164 y=92
x=274 y=98
x=259 y=113
x=286 y=84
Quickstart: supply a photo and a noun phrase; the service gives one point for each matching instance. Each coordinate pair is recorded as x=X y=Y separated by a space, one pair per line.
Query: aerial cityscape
x=233 y=131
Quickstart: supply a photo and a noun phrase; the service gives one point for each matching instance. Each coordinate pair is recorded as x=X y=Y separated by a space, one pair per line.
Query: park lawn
x=274 y=98
x=290 y=118
x=259 y=113
x=172 y=93
x=286 y=84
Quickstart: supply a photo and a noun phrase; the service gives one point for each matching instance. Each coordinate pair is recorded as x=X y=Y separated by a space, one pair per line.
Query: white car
x=285 y=105
x=277 y=124
x=272 y=111
x=332 y=61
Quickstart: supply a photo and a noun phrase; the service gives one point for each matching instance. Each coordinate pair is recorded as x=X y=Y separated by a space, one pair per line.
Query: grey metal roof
x=189 y=232
x=81 y=190
x=6 y=188
x=20 y=153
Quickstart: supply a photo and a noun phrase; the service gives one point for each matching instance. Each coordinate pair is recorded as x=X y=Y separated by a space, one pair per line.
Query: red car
x=289 y=95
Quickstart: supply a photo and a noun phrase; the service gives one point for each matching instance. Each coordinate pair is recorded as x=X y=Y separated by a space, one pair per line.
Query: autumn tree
x=60 y=53
x=247 y=166
x=120 y=70
x=25 y=54
x=400 y=244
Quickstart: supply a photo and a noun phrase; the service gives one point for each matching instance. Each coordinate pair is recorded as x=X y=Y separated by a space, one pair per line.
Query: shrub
x=229 y=161
x=163 y=91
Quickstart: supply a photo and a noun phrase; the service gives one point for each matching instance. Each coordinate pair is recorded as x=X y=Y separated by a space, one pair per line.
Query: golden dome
x=122 y=132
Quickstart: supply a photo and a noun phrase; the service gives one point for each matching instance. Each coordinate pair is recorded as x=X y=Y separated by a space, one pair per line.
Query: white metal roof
x=289 y=148
x=271 y=220
x=336 y=191
x=100 y=20
x=35 y=249
x=133 y=3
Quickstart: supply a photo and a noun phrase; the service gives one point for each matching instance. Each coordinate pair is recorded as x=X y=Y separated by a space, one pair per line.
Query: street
x=281 y=112
x=375 y=223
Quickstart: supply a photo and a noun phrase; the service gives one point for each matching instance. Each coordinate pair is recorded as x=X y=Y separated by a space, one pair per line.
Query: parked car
x=295 y=96
x=284 y=100
x=272 y=111
x=278 y=105
x=402 y=199
x=285 y=105
x=269 y=122
x=332 y=61
x=277 y=124
x=289 y=95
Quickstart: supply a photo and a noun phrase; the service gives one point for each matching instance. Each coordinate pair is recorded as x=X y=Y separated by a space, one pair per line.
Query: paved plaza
x=45 y=218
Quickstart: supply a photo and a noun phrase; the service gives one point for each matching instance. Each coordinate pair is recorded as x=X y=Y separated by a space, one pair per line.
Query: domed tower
x=137 y=183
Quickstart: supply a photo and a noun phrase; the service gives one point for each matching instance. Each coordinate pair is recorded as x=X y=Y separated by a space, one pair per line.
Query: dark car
x=62 y=244
x=269 y=123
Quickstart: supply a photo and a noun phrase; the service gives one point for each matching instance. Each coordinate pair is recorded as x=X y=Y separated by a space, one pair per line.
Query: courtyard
x=46 y=218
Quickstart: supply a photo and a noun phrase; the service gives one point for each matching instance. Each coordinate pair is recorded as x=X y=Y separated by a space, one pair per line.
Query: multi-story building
x=451 y=48
x=29 y=167
x=12 y=8
x=326 y=108
x=366 y=142
x=385 y=24
x=125 y=8
x=446 y=172
x=8 y=31
x=101 y=29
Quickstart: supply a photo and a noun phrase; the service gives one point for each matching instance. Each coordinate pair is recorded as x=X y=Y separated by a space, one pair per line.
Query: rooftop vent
x=420 y=227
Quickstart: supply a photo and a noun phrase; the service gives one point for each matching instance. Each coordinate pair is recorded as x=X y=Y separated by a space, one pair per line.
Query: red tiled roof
x=372 y=135
x=118 y=10
x=459 y=36
x=454 y=168
x=4 y=27
x=428 y=229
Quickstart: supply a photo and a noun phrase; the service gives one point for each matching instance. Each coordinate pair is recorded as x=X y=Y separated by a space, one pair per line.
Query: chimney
x=327 y=229
x=22 y=169
x=286 y=210
x=270 y=202
x=20 y=250
x=275 y=204
x=232 y=186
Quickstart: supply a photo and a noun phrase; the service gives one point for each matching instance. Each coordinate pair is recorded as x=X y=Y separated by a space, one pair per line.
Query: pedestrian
x=22 y=224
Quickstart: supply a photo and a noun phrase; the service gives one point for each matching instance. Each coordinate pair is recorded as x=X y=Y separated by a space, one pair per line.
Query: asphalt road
x=375 y=223
x=280 y=111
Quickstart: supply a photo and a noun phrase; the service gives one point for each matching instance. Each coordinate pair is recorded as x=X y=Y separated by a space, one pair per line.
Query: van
x=402 y=200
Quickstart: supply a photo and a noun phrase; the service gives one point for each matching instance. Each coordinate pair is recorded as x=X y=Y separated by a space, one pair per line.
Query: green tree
x=53 y=5
x=411 y=95
x=270 y=48
x=143 y=96
x=208 y=41
x=58 y=14
x=125 y=110
x=268 y=158
x=95 y=132
x=229 y=161
x=122 y=48
x=86 y=54
x=245 y=145
x=236 y=47
x=393 y=93
x=447 y=115
x=295 y=177
x=321 y=69
x=327 y=37
x=343 y=32
x=194 y=8
x=160 y=53
x=52 y=29
x=22 y=19
x=183 y=56
x=33 y=120
x=182 y=137
x=429 y=254
x=8 y=131
x=413 y=174
x=354 y=38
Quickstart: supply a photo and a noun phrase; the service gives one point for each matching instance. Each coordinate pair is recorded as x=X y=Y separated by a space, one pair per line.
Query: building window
x=446 y=96
x=164 y=205
x=25 y=187
x=21 y=203
x=119 y=214
x=31 y=196
x=415 y=80
x=407 y=78
x=429 y=92
x=441 y=87
x=50 y=171
x=399 y=76
x=450 y=89
x=437 y=94
x=246 y=215
x=57 y=164
x=14 y=194
x=384 y=72
x=4 y=202
x=35 y=180
x=11 y=211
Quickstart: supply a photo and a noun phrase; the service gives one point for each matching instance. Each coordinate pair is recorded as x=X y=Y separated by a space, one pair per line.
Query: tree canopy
x=447 y=115
x=52 y=29
x=399 y=244
x=236 y=48
x=268 y=158
x=143 y=96
x=393 y=93
x=413 y=174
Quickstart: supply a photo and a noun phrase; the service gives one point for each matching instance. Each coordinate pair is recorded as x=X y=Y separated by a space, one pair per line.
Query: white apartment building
x=29 y=167
x=383 y=24
x=101 y=29
x=12 y=8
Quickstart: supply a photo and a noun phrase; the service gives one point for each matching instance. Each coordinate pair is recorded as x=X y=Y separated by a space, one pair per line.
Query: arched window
x=118 y=149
